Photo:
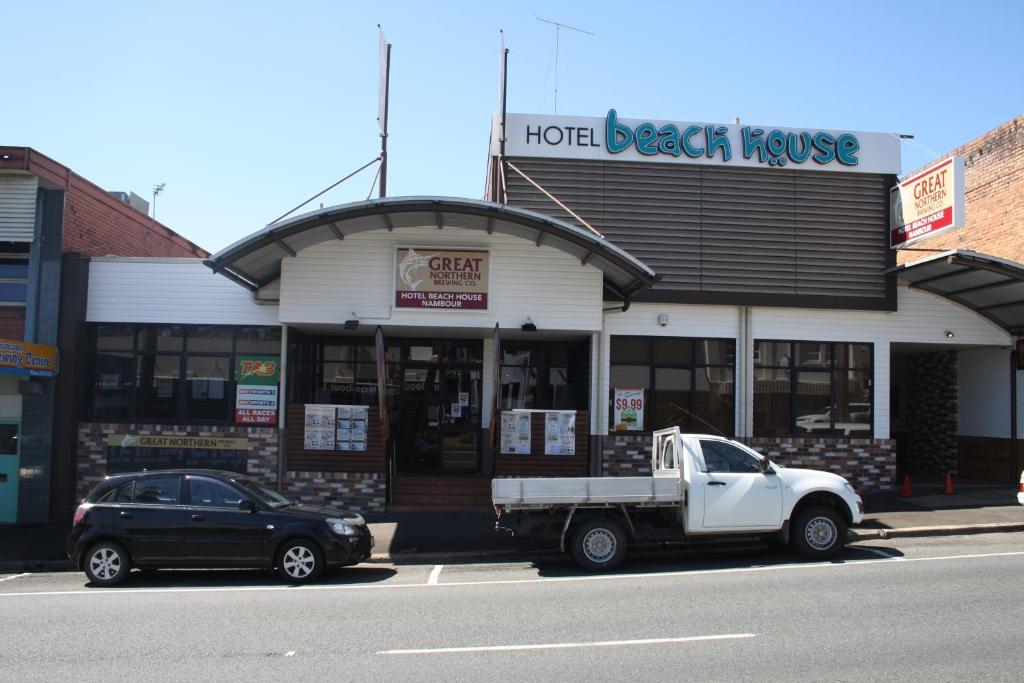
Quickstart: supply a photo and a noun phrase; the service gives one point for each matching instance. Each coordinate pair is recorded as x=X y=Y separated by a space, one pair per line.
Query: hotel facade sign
x=615 y=138
x=447 y=279
x=927 y=203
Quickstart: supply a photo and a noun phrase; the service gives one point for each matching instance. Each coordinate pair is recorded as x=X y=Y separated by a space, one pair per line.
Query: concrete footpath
x=454 y=536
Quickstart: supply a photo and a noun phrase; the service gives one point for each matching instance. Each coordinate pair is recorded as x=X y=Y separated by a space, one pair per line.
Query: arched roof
x=255 y=261
x=990 y=286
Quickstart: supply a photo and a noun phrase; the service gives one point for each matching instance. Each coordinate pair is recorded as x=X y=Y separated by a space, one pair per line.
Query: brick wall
x=92 y=447
x=869 y=464
x=97 y=224
x=12 y=322
x=932 y=407
x=994 y=189
x=357 y=491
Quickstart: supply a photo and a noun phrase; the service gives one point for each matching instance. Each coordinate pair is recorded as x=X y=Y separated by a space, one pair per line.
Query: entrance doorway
x=438 y=425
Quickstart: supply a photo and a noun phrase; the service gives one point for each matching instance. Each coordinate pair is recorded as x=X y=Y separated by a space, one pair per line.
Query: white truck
x=702 y=488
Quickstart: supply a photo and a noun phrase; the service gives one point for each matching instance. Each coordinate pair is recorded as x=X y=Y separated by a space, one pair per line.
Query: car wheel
x=300 y=561
x=599 y=545
x=819 y=534
x=106 y=563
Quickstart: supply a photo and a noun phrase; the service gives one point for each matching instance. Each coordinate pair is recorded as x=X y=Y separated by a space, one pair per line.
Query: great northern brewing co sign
x=441 y=278
x=927 y=202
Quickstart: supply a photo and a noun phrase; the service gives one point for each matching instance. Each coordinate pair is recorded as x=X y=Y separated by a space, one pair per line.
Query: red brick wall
x=12 y=323
x=97 y=224
x=994 y=208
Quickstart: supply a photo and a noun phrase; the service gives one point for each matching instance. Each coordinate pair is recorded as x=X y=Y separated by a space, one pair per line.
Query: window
x=170 y=372
x=158 y=491
x=348 y=373
x=543 y=376
x=813 y=388
x=723 y=457
x=204 y=492
x=689 y=383
x=14 y=274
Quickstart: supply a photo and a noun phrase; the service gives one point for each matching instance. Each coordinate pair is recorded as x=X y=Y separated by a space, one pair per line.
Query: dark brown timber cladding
x=538 y=464
x=983 y=458
x=302 y=460
x=723 y=235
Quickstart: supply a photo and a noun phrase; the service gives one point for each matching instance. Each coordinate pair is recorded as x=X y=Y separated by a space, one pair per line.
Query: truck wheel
x=819 y=533
x=599 y=545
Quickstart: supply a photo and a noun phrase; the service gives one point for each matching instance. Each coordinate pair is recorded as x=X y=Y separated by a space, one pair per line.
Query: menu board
x=336 y=428
x=515 y=432
x=350 y=429
x=320 y=423
x=560 y=432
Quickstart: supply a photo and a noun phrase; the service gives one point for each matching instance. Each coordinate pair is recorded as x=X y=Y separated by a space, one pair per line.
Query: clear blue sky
x=246 y=108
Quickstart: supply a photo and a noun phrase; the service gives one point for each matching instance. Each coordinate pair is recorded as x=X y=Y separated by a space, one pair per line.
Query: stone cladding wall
x=932 y=406
x=359 y=492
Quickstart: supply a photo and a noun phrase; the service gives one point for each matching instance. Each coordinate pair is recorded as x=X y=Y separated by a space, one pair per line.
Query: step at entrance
x=429 y=492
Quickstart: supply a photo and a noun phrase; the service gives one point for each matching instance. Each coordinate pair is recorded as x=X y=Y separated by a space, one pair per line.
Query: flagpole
x=383 y=113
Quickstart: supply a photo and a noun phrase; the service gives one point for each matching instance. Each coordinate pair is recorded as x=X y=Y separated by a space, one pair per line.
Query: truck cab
x=701 y=487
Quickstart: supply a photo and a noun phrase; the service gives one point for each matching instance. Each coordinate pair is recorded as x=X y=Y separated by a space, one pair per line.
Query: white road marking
x=435 y=572
x=564 y=646
x=15 y=576
x=646 y=576
x=878 y=552
x=290 y=653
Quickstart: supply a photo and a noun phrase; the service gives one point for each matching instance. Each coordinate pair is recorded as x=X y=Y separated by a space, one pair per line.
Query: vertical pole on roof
x=384 y=88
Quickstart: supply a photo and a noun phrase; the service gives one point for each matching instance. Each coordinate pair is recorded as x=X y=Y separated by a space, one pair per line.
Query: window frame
x=653 y=366
x=794 y=368
x=139 y=355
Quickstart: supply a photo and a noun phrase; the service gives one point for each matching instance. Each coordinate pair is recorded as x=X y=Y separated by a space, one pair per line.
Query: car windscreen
x=263 y=494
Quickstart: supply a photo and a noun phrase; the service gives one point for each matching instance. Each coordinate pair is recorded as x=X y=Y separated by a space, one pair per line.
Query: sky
x=245 y=109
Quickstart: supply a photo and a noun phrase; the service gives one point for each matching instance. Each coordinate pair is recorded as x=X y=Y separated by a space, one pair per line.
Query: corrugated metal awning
x=255 y=261
x=991 y=286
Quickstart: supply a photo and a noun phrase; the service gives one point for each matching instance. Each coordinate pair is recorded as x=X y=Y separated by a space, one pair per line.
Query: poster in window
x=628 y=410
x=560 y=432
x=515 y=432
x=257 y=392
x=351 y=428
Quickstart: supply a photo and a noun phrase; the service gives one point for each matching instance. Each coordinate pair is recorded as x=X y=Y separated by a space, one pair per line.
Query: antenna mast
x=558 y=28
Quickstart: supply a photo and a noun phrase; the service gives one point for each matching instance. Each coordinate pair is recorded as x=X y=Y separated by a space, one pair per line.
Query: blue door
x=9 y=464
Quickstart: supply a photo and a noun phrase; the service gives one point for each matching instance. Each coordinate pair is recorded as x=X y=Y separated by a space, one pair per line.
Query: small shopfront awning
x=255 y=261
x=991 y=286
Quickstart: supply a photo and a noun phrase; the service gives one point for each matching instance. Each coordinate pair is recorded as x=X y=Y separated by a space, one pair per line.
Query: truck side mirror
x=766 y=466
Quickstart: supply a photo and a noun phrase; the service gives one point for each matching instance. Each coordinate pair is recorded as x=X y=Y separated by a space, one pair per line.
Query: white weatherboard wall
x=149 y=290
x=326 y=283
x=920 y=318
x=984 y=393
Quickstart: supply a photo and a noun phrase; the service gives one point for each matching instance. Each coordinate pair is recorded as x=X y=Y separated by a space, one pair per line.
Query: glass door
x=460 y=420
x=9 y=463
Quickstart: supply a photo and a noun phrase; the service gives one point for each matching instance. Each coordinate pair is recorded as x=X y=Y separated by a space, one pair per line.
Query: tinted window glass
x=673 y=351
x=261 y=340
x=630 y=350
x=158 y=490
x=724 y=457
x=212 y=493
x=209 y=339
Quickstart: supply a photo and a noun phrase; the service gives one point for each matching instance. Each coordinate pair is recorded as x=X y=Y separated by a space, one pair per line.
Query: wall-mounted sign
x=447 y=279
x=927 y=203
x=135 y=452
x=628 y=410
x=32 y=360
x=515 y=432
x=560 y=432
x=612 y=137
x=335 y=428
x=256 y=395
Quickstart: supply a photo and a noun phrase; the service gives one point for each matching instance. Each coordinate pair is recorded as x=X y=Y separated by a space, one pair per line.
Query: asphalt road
x=911 y=609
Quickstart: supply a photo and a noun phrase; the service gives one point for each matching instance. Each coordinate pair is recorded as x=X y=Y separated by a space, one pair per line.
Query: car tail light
x=80 y=513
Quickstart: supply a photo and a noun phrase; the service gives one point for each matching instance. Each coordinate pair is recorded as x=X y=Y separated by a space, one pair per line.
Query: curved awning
x=255 y=261
x=991 y=286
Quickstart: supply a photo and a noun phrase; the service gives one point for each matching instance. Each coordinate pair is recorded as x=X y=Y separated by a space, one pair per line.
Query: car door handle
x=125 y=513
x=716 y=483
x=199 y=518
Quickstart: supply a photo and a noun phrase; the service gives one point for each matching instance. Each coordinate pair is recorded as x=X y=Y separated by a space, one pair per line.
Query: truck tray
x=585 y=490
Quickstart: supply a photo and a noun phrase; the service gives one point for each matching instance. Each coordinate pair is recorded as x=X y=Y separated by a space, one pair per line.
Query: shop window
x=686 y=382
x=14 y=274
x=168 y=373
x=813 y=389
x=543 y=376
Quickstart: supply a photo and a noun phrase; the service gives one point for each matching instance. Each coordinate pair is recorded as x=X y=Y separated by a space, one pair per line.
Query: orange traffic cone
x=949 y=484
x=905 y=491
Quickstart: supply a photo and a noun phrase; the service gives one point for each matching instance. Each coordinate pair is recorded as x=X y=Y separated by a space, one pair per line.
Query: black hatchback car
x=207 y=519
